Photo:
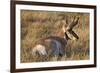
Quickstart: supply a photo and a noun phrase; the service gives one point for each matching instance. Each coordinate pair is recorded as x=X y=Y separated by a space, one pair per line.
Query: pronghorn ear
x=72 y=35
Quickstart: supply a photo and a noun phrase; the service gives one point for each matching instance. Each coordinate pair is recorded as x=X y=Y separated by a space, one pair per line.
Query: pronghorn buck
x=55 y=45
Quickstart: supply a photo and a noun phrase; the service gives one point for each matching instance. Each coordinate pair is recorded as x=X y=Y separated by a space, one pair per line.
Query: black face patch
x=66 y=36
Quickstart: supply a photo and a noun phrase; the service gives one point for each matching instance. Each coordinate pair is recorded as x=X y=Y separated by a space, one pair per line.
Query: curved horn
x=73 y=23
x=71 y=34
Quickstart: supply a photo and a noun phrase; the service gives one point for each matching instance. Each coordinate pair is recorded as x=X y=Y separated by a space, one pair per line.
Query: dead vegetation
x=40 y=24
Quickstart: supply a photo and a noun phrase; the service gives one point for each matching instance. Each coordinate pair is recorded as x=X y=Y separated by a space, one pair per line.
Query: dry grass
x=39 y=24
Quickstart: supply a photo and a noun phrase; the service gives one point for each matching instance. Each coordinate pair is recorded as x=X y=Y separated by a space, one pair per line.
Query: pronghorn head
x=68 y=29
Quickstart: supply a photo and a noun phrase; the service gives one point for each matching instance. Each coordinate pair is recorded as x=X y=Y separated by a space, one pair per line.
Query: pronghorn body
x=52 y=45
x=55 y=45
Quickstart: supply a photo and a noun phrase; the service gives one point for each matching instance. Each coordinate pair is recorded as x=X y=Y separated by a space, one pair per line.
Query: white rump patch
x=40 y=49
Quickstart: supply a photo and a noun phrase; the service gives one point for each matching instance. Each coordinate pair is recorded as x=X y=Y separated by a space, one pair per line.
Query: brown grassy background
x=40 y=24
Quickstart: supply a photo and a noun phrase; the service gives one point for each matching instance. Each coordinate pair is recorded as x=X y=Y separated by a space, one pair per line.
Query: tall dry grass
x=40 y=24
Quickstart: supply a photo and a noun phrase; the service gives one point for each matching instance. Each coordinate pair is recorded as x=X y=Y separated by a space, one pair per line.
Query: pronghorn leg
x=60 y=48
x=55 y=47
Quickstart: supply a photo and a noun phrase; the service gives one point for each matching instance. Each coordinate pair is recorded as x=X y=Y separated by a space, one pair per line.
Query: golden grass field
x=40 y=24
